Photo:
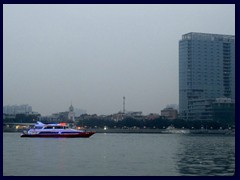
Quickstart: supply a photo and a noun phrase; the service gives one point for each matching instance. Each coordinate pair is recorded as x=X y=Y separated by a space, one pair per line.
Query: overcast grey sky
x=93 y=55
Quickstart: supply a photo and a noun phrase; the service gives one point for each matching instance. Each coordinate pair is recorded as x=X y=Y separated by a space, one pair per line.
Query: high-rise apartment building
x=206 y=72
x=17 y=109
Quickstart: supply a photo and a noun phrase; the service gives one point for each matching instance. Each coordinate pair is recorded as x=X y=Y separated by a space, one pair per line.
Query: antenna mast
x=123 y=104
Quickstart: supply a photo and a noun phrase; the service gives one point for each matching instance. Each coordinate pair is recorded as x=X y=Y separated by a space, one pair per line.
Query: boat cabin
x=51 y=127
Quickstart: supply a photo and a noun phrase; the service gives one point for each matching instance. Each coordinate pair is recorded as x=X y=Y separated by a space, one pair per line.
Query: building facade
x=71 y=114
x=169 y=113
x=206 y=72
x=224 y=111
x=17 y=109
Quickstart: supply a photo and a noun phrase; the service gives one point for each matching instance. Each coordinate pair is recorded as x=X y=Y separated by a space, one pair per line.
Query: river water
x=116 y=154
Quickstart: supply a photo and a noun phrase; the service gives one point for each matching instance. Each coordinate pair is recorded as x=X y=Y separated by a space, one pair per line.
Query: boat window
x=38 y=127
x=48 y=127
x=58 y=127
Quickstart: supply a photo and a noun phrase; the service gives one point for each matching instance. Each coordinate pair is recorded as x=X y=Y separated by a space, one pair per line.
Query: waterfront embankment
x=164 y=131
x=146 y=130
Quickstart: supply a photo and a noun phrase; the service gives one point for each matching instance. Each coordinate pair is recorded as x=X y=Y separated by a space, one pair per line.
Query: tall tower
x=123 y=104
x=71 y=114
x=206 y=72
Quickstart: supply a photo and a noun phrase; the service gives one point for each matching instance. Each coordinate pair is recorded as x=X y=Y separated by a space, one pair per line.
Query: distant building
x=169 y=113
x=206 y=72
x=66 y=116
x=152 y=116
x=17 y=109
x=88 y=116
x=118 y=116
x=134 y=114
x=78 y=112
x=71 y=114
x=224 y=110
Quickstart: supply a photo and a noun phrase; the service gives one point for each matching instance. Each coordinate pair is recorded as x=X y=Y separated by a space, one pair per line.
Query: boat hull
x=78 y=135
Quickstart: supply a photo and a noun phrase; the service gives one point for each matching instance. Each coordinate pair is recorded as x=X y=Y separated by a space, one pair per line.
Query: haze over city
x=93 y=55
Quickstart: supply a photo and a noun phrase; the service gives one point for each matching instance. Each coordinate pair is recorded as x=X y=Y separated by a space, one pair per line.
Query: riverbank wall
x=153 y=131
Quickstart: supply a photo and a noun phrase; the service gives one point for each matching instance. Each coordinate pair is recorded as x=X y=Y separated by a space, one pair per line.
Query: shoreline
x=148 y=131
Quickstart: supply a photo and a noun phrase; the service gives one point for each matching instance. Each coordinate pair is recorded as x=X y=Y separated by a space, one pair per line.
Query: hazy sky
x=93 y=55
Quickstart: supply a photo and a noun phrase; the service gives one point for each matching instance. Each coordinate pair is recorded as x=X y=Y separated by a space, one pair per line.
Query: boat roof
x=40 y=124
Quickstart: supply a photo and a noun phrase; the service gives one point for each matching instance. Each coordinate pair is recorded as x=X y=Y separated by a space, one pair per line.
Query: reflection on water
x=205 y=156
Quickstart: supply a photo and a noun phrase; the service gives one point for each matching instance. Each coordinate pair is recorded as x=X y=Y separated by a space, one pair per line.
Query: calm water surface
x=119 y=155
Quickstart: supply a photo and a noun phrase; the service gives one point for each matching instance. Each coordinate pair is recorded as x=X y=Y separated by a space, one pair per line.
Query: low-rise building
x=169 y=113
x=223 y=110
x=152 y=116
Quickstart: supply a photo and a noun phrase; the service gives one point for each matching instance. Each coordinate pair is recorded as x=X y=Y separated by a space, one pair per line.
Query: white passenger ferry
x=55 y=130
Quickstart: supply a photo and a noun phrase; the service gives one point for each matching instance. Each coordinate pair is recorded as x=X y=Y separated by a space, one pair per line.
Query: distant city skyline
x=26 y=108
x=93 y=55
